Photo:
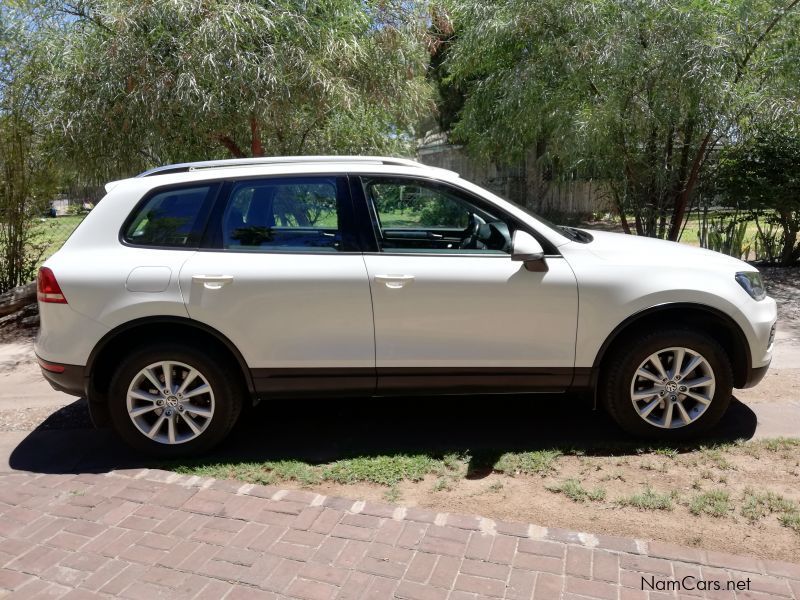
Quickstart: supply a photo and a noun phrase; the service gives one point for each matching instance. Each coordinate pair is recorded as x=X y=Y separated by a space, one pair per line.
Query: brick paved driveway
x=152 y=534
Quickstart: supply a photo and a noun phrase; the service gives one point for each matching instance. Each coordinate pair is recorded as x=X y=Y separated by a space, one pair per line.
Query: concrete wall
x=521 y=183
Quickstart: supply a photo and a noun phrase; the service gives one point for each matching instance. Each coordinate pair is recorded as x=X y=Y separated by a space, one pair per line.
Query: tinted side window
x=172 y=218
x=283 y=215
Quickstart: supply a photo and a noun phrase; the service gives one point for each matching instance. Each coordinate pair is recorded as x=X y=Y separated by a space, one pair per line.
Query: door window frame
x=368 y=222
x=213 y=238
x=200 y=225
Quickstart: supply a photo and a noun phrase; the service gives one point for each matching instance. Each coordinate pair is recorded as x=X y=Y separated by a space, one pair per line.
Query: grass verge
x=574 y=490
x=648 y=499
x=716 y=503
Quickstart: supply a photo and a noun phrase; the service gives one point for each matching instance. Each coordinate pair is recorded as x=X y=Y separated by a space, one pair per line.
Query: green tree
x=134 y=83
x=636 y=93
x=26 y=179
x=764 y=174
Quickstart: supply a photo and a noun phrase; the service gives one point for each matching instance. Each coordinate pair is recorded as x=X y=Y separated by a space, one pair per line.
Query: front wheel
x=173 y=400
x=670 y=384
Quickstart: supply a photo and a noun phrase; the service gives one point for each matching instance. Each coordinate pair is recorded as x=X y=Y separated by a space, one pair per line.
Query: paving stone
x=160 y=536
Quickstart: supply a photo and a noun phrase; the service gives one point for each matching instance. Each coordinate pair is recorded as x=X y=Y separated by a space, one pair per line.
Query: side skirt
x=303 y=382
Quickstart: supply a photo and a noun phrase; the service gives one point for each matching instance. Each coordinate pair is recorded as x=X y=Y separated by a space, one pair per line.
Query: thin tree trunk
x=255 y=138
x=682 y=201
x=789 y=238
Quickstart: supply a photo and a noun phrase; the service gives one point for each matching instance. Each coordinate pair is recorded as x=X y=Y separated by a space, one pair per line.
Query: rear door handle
x=212 y=282
x=394 y=281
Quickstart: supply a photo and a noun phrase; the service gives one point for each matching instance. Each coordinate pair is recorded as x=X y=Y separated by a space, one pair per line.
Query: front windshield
x=572 y=233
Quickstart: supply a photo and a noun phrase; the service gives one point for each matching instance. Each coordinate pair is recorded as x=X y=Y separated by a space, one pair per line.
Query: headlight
x=752 y=283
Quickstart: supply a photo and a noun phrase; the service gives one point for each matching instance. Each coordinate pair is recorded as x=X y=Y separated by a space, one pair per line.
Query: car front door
x=282 y=279
x=452 y=311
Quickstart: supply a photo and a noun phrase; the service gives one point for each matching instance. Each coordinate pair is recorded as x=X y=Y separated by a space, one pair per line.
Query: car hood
x=627 y=249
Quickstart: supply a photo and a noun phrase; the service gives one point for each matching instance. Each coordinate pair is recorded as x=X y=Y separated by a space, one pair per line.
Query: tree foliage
x=763 y=174
x=135 y=83
x=638 y=93
x=25 y=176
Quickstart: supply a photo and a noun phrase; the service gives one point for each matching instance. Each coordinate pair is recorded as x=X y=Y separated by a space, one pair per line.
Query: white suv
x=194 y=289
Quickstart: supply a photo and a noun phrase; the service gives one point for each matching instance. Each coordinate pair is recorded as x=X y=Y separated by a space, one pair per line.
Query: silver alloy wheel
x=673 y=387
x=170 y=402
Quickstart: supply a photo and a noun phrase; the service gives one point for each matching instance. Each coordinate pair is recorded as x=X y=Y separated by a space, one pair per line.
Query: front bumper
x=64 y=378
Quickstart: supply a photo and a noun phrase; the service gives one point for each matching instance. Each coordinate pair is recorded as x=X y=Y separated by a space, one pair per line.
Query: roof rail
x=278 y=160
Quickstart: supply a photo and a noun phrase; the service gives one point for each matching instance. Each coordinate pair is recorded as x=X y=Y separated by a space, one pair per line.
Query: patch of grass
x=758 y=505
x=649 y=499
x=695 y=540
x=791 y=520
x=383 y=470
x=716 y=456
x=539 y=462
x=496 y=486
x=456 y=463
x=443 y=484
x=716 y=503
x=668 y=452
x=265 y=473
x=392 y=495
x=574 y=490
x=780 y=444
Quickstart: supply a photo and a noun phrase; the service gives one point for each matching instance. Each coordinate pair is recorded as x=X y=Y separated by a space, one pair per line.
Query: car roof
x=280 y=160
x=290 y=165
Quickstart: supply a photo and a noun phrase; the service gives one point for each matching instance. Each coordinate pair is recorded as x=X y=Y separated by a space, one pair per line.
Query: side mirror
x=525 y=248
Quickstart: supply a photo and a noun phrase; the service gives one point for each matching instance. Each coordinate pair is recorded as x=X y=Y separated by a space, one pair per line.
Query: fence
x=521 y=183
x=50 y=233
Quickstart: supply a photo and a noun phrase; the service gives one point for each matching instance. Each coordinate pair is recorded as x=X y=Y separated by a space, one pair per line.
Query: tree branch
x=748 y=55
x=255 y=137
x=231 y=146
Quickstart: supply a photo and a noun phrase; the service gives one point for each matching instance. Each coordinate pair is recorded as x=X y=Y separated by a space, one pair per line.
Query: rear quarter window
x=173 y=218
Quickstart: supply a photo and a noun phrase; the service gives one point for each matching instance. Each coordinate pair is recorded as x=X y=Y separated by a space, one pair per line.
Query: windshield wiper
x=576 y=234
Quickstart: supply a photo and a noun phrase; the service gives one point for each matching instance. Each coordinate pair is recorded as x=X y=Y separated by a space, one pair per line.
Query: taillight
x=53 y=368
x=47 y=289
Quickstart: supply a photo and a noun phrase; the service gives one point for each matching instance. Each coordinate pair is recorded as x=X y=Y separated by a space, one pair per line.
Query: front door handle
x=212 y=282
x=394 y=281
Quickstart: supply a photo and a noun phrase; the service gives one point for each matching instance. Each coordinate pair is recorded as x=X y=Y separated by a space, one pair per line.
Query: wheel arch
x=700 y=317
x=113 y=344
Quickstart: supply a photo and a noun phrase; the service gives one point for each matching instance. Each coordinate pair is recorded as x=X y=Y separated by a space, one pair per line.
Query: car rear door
x=283 y=279
x=452 y=310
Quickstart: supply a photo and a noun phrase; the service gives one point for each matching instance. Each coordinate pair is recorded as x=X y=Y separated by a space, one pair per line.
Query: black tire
x=223 y=379
x=632 y=351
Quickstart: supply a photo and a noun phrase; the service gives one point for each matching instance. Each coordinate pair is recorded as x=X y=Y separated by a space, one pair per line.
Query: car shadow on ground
x=320 y=431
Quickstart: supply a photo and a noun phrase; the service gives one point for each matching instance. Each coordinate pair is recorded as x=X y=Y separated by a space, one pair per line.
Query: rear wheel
x=670 y=384
x=172 y=400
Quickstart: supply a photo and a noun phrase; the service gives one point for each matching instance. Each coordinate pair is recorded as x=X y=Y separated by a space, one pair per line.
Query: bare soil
x=525 y=498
